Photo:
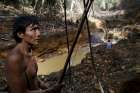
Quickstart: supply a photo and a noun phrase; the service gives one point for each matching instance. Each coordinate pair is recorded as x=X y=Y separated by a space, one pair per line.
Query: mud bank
x=114 y=67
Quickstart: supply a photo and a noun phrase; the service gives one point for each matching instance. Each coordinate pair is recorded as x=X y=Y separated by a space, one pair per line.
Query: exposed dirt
x=116 y=68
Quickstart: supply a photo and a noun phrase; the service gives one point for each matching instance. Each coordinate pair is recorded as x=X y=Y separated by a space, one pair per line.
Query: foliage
x=127 y=4
x=38 y=6
x=112 y=4
x=106 y=4
x=31 y=2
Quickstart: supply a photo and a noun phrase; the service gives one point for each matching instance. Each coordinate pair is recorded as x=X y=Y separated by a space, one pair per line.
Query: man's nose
x=37 y=33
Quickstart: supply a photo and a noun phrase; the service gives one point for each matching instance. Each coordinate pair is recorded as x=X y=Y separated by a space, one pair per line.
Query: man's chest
x=30 y=66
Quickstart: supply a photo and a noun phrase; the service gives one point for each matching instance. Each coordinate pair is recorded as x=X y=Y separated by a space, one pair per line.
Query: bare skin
x=22 y=67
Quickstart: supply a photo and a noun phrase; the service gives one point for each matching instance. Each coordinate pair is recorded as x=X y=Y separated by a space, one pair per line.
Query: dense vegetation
x=37 y=6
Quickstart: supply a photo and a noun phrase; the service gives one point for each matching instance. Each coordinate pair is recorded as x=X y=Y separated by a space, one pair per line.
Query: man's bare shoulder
x=14 y=56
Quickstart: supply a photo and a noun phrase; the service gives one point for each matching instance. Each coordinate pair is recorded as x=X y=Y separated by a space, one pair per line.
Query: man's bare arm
x=16 y=76
x=41 y=84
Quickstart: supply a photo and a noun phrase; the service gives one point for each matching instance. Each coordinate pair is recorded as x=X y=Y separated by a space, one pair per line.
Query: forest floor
x=116 y=68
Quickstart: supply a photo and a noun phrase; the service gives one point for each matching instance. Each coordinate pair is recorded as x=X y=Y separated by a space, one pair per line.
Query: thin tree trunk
x=61 y=4
x=36 y=1
x=41 y=8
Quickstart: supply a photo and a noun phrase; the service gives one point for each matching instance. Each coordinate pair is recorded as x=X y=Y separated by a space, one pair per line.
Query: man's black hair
x=21 y=23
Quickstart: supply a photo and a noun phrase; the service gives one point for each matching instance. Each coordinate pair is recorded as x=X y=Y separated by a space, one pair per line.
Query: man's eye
x=35 y=28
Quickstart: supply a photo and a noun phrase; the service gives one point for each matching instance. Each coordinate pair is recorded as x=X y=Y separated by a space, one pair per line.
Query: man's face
x=32 y=34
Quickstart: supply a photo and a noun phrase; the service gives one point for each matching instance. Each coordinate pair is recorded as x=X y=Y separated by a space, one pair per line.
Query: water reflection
x=56 y=63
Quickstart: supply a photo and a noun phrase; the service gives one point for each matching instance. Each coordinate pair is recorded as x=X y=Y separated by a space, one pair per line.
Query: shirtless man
x=21 y=65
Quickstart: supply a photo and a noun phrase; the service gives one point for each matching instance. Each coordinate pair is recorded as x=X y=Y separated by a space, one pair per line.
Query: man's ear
x=20 y=34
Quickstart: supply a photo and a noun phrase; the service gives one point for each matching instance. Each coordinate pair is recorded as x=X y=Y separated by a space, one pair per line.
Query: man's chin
x=35 y=45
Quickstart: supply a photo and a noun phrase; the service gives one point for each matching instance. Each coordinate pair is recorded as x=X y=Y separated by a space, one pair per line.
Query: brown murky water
x=56 y=63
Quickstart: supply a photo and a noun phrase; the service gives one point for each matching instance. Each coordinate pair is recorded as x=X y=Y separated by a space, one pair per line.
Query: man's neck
x=25 y=48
